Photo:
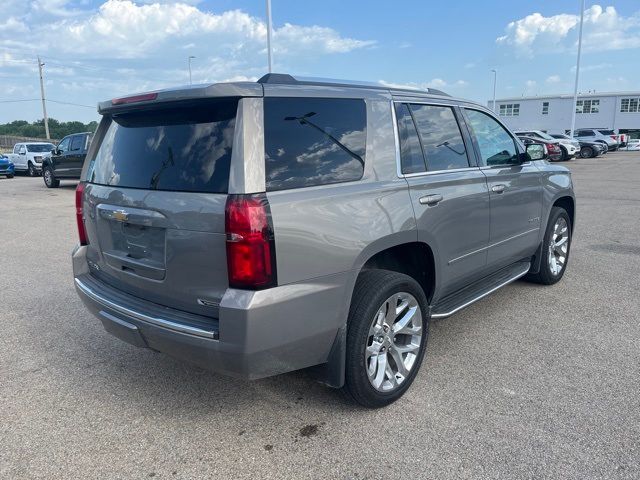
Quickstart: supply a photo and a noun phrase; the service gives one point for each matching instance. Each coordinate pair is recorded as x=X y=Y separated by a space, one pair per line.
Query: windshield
x=40 y=148
x=546 y=136
x=607 y=132
x=559 y=135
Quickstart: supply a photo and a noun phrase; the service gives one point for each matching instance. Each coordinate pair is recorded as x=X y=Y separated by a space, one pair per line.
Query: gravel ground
x=531 y=382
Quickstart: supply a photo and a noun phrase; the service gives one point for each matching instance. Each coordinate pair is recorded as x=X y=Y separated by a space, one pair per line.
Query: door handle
x=431 y=199
x=498 y=188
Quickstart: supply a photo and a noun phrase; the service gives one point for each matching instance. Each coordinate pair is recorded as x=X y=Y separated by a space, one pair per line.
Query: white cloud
x=590 y=68
x=553 y=79
x=604 y=29
x=123 y=29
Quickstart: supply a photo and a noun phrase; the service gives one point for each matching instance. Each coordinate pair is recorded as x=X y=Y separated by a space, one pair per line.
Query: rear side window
x=77 y=143
x=313 y=141
x=181 y=148
x=410 y=149
x=440 y=136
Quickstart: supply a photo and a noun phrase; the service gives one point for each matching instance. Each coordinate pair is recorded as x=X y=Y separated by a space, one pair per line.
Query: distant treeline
x=57 y=129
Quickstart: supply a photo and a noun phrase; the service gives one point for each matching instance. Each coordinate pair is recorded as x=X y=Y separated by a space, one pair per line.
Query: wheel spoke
x=397 y=358
x=382 y=367
x=405 y=320
x=561 y=242
x=391 y=310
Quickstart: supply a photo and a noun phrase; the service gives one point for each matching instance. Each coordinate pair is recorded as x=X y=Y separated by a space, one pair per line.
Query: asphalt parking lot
x=531 y=382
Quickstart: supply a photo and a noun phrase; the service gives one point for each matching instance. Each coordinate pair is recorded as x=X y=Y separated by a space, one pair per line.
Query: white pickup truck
x=28 y=156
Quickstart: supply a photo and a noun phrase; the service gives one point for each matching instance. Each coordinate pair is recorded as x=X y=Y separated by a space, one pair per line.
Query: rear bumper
x=257 y=334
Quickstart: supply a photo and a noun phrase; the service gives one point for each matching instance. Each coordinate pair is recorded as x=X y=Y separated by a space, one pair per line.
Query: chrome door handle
x=498 y=188
x=431 y=199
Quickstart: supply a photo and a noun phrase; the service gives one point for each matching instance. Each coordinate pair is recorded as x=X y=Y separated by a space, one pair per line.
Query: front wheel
x=10 y=175
x=555 y=248
x=386 y=337
x=31 y=170
x=49 y=179
x=586 y=152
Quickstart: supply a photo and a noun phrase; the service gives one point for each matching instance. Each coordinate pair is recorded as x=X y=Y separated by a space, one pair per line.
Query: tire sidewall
x=545 y=271
x=51 y=181
x=360 y=318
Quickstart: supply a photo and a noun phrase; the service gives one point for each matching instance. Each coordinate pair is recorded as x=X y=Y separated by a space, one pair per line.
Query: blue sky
x=98 y=49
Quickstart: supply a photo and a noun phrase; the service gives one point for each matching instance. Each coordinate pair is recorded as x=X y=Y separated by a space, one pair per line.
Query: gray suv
x=256 y=228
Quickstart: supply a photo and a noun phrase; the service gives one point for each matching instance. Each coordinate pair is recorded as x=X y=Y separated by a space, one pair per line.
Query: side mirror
x=535 y=151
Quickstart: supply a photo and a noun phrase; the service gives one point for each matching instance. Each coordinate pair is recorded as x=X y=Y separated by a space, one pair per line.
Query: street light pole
x=190 y=57
x=269 y=27
x=44 y=106
x=575 y=88
x=495 y=80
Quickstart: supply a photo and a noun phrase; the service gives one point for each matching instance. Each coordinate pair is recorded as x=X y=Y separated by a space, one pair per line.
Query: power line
x=69 y=103
x=21 y=100
x=47 y=100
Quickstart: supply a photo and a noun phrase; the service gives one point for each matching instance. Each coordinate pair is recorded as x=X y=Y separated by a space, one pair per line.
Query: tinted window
x=496 y=146
x=313 y=141
x=184 y=148
x=440 y=136
x=64 y=145
x=410 y=151
x=607 y=132
x=586 y=133
x=77 y=143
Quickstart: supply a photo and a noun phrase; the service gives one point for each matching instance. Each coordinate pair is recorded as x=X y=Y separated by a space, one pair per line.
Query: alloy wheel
x=394 y=341
x=559 y=246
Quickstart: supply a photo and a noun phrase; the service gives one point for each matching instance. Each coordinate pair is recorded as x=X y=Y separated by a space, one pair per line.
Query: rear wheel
x=386 y=337
x=555 y=248
x=49 y=179
x=586 y=152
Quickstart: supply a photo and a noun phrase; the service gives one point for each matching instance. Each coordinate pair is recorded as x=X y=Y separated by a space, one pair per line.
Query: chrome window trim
x=159 y=322
x=396 y=135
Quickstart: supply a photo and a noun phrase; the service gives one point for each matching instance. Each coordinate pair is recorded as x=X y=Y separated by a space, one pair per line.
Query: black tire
x=49 y=178
x=565 y=154
x=586 y=152
x=31 y=170
x=372 y=290
x=545 y=276
x=10 y=176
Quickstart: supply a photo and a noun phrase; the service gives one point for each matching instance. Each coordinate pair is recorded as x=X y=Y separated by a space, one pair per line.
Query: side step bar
x=478 y=290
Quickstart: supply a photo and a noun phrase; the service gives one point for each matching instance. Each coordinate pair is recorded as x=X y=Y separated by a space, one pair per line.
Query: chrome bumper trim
x=159 y=322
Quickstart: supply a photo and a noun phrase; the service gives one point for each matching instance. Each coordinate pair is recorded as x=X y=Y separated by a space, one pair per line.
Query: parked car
x=633 y=144
x=28 y=157
x=6 y=166
x=66 y=159
x=596 y=135
x=553 y=148
x=586 y=149
x=256 y=228
x=569 y=147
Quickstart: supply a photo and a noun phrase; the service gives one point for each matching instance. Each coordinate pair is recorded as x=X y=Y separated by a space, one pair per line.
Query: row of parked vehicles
x=586 y=143
x=54 y=163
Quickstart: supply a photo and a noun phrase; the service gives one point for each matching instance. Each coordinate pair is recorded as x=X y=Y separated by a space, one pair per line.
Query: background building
x=619 y=111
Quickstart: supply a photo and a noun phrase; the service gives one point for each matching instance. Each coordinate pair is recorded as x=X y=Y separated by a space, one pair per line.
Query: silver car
x=256 y=228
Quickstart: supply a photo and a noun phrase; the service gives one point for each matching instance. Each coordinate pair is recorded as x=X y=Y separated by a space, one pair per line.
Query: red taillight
x=250 y=242
x=145 y=97
x=82 y=231
x=553 y=148
x=615 y=137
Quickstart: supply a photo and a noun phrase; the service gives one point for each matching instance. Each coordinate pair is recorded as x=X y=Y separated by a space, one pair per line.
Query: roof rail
x=286 y=79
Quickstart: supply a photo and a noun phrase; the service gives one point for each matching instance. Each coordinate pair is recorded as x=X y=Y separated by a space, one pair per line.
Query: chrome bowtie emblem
x=120 y=215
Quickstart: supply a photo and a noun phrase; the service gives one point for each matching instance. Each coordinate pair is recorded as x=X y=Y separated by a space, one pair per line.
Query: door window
x=440 y=136
x=411 y=158
x=496 y=145
x=64 y=145
x=77 y=143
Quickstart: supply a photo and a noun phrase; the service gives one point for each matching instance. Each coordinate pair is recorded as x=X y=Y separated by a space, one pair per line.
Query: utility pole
x=495 y=80
x=575 y=88
x=44 y=106
x=269 y=27
x=191 y=57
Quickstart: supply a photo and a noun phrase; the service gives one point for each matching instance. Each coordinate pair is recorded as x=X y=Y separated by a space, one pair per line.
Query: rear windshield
x=179 y=148
x=47 y=147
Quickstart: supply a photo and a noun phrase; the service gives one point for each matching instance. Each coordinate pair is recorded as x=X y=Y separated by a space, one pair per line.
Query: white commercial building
x=619 y=111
